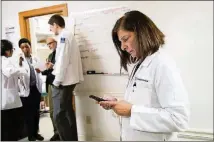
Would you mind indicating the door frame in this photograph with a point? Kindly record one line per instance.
(61, 9)
(24, 16)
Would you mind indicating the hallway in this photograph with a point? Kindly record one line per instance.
(46, 128)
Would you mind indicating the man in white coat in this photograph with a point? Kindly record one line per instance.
(68, 72)
(30, 90)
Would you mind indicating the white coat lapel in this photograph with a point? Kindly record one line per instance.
(26, 66)
(34, 61)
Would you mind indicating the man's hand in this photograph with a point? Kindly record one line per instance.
(49, 65)
(122, 108)
(37, 70)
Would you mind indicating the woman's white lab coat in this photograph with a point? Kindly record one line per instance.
(24, 81)
(10, 73)
(160, 101)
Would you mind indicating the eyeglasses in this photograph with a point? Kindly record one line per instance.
(50, 43)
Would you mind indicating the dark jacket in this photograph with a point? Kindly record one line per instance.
(50, 77)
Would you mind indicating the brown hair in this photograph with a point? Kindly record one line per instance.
(57, 19)
(149, 38)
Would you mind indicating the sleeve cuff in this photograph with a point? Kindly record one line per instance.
(56, 83)
(136, 117)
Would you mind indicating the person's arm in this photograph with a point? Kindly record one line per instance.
(45, 72)
(62, 61)
(9, 69)
(173, 116)
(48, 70)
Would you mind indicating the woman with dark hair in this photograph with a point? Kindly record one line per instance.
(155, 104)
(11, 103)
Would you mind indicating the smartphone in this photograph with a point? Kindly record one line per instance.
(96, 98)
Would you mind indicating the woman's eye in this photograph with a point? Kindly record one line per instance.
(125, 39)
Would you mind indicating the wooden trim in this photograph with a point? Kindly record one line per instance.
(24, 16)
(61, 9)
(28, 28)
(22, 23)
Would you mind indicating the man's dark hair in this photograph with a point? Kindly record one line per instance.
(6, 45)
(57, 19)
(24, 40)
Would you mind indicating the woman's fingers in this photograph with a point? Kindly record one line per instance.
(109, 98)
(108, 103)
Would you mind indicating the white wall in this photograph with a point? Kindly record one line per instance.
(188, 27)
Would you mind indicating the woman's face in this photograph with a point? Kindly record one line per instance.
(128, 42)
(9, 53)
(26, 49)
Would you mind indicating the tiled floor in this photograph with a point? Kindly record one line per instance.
(45, 127)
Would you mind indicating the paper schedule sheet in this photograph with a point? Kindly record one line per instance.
(40, 65)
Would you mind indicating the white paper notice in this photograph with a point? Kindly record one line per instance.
(40, 65)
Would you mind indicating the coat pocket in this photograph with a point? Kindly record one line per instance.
(142, 93)
(11, 99)
(21, 88)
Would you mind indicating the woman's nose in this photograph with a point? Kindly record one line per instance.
(123, 47)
